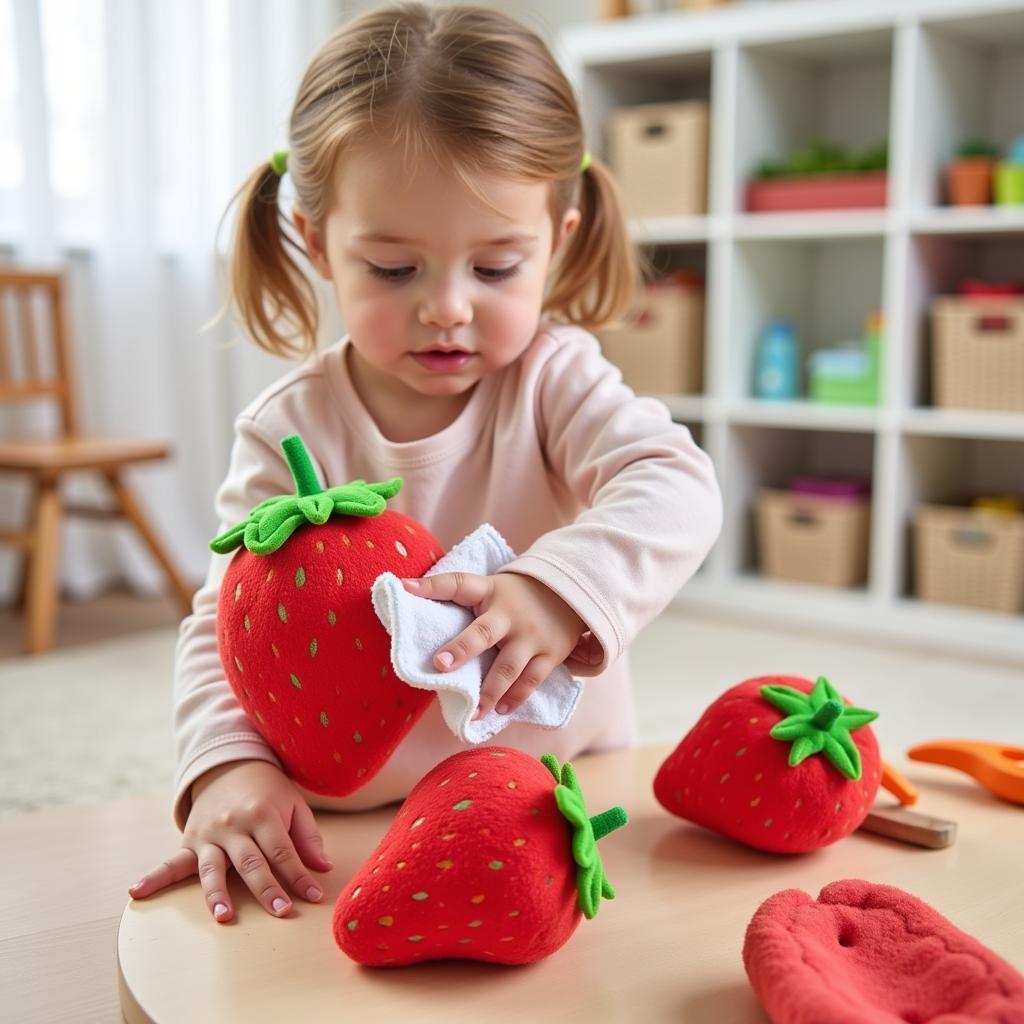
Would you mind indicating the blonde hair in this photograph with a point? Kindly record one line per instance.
(468, 85)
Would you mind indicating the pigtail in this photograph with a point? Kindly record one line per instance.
(598, 273)
(268, 287)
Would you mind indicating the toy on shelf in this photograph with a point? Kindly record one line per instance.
(295, 621)
(492, 856)
(849, 375)
(777, 362)
(969, 174)
(821, 176)
(864, 953)
(778, 763)
(1009, 175)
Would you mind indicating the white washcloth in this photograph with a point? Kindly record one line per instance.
(419, 627)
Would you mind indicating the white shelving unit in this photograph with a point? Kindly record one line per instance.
(923, 75)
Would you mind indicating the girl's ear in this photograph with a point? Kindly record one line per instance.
(570, 222)
(314, 240)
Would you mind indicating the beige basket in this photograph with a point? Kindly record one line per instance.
(978, 353)
(813, 539)
(662, 351)
(659, 153)
(969, 557)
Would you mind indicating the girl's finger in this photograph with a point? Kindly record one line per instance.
(480, 635)
(307, 838)
(465, 588)
(213, 877)
(279, 850)
(536, 671)
(174, 869)
(252, 866)
(507, 668)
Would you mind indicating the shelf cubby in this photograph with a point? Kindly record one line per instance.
(773, 457)
(952, 471)
(824, 287)
(792, 92)
(938, 264)
(970, 78)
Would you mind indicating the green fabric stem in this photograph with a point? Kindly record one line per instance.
(271, 522)
(591, 882)
(818, 723)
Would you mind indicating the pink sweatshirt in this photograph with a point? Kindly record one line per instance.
(603, 497)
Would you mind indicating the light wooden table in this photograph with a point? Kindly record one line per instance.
(667, 949)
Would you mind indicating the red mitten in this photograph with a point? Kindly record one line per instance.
(779, 763)
(299, 640)
(492, 857)
(873, 954)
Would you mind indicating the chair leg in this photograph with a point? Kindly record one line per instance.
(131, 509)
(41, 584)
(21, 593)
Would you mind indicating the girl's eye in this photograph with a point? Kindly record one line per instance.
(498, 273)
(391, 273)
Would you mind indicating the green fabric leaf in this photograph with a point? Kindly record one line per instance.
(270, 523)
(591, 883)
(791, 728)
(804, 747)
(820, 693)
(787, 700)
(854, 718)
(820, 731)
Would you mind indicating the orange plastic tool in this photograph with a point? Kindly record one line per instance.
(998, 768)
(899, 785)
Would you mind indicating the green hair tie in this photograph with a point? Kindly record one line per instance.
(279, 162)
(585, 162)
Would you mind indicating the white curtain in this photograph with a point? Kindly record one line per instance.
(125, 127)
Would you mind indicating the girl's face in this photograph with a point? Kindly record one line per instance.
(436, 287)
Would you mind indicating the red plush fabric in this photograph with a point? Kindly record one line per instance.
(873, 954)
(478, 865)
(306, 655)
(728, 774)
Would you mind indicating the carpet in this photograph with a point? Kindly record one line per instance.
(87, 724)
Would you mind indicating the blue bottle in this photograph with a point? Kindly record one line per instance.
(776, 364)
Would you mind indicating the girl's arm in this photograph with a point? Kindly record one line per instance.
(652, 506)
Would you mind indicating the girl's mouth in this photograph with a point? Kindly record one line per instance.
(442, 362)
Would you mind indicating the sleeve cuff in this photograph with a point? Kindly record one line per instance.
(233, 747)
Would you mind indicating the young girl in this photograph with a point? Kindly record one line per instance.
(444, 190)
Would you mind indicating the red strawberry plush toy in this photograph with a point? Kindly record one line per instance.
(779, 763)
(492, 857)
(299, 640)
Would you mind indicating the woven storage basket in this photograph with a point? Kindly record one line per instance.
(659, 154)
(813, 539)
(662, 350)
(978, 353)
(969, 557)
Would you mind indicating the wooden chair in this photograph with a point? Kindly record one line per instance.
(43, 371)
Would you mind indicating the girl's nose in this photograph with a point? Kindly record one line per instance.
(446, 305)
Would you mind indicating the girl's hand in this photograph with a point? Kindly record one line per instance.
(533, 628)
(247, 814)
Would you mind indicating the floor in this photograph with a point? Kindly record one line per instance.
(91, 720)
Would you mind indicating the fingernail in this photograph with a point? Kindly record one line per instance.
(220, 910)
(279, 905)
(137, 885)
(411, 584)
(479, 714)
(444, 659)
(502, 709)
(313, 893)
